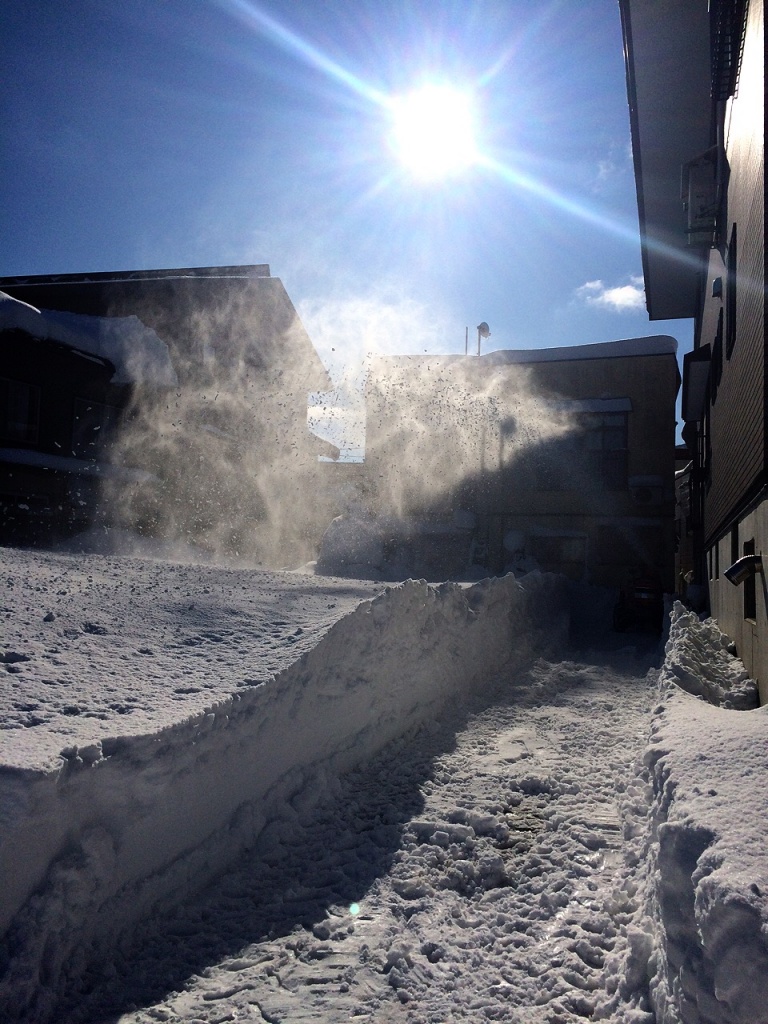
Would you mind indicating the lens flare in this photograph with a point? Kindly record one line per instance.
(433, 131)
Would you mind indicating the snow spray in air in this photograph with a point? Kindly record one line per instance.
(228, 463)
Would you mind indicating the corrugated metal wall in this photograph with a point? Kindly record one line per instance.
(737, 419)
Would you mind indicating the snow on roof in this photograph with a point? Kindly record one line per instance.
(654, 345)
(135, 350)
(17, 314)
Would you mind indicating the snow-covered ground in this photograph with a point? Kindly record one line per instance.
(426, 807)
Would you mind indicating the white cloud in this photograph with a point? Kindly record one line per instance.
(613, 167)
(605, 169)
(624, 298)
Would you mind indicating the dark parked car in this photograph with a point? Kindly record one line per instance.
(640, 605)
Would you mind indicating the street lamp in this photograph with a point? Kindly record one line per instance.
(483, 331)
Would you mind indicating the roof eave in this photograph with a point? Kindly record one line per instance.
(666, 46)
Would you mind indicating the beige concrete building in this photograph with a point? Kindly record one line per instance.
(559, 458)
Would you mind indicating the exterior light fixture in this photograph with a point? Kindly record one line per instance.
(743, 568)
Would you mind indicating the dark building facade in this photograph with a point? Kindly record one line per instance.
(201, 378)
(58, 410)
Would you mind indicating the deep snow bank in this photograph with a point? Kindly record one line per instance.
(694, 821)
(126, 825)
(93, 646)
(699, 659)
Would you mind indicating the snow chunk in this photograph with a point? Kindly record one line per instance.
(698, 659)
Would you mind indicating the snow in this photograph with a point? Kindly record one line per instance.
(135, 350)
(288, 797)
(700, 660)
(654, 345)
(15, 314)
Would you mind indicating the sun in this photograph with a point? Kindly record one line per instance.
(433, 132)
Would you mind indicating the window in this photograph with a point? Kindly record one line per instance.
(629, 547)
(730, 295)
(558, 553)
(19, 411)
(716, 371)
(750, 585)
(593, 454)
(713, 556)
(92, 424)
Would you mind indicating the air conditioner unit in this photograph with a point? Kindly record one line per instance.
(700, 194)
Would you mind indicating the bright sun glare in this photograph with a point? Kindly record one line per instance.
(433, 131)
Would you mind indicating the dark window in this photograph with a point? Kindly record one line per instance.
(593, 454)
(716, 370)
(19, 411)
(705, 443)
(750, 585)
(93, 423)
(566, 555)
(730, 295)
(714, 561)
(630, 546)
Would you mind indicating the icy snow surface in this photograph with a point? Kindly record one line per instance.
(95, 646)
(430, 811)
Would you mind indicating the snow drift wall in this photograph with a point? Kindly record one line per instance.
(698, 944)
(126, 826)
(700, 659)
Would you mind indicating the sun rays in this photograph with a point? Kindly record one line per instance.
(429, 136)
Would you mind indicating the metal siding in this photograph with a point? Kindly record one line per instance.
(738, 415)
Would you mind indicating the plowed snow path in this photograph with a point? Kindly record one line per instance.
(473, 872)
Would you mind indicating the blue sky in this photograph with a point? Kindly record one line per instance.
(173, 133)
